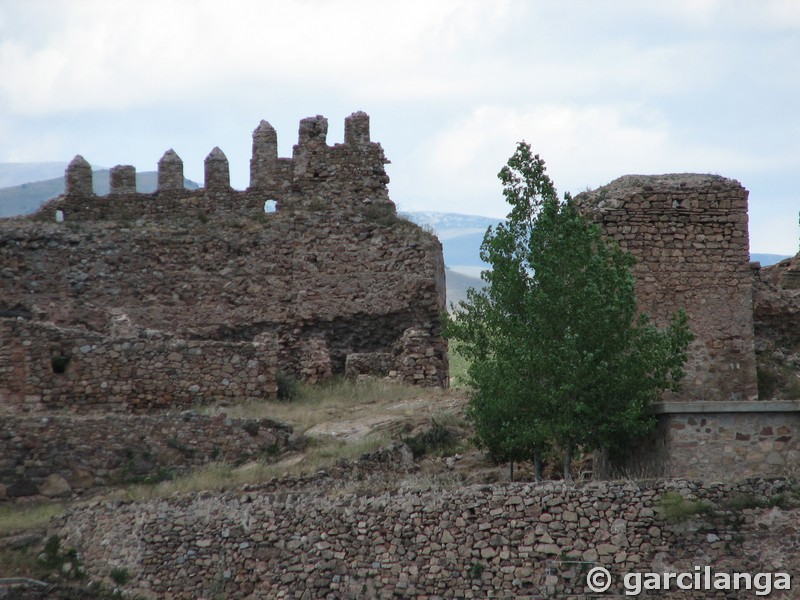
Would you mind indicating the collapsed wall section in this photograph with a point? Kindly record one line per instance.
(776, 315)
(690, 238)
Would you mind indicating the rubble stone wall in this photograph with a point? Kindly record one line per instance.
(749, 439)
(332, 272)
(60, 455)
(506, 541)
(776, 315)
(690, 237)
(48, 368)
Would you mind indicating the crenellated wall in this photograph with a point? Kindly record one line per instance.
(346, 178)
(332, 272)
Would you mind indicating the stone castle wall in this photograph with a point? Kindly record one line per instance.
(776, 316)
(333, 272)
(505, 541)
(690, 238)
(61, 455)
(45, 368)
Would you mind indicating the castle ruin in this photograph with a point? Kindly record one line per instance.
(136, 301)
(689, 234)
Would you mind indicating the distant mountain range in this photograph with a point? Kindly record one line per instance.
(26, 186)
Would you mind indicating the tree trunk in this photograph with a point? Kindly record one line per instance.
(537, 464)
(511, 470)
(568, 464)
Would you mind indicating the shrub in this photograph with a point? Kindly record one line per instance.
(767, 382)
(437, 439)
(120, 575)
(288, 387)
(476, 570)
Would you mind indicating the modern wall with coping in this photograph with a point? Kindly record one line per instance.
(713, 440)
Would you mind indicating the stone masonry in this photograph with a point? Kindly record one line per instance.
(519, 541)
(47, 368)
(61, 455)
(332, 272)
(689, 236)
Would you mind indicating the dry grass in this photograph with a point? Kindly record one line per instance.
(337, 399)
(16, 519)
(318, 455)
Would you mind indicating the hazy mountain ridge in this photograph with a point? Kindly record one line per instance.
(15, 174)
(462, 235)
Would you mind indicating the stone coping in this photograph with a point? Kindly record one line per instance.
(771, 406)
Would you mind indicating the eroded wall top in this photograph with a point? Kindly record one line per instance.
(689, 235)
(332, 272)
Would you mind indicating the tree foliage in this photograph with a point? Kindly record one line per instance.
(559, 355)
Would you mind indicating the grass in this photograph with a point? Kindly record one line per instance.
(16, 519)
(314, 404)
(676, 509)
(308, 405)
(22, 563)
(338, 399)
(458, 367)
(320, 454)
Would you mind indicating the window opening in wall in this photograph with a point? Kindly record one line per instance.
(59, 363)
(270, 206)
(59, 216)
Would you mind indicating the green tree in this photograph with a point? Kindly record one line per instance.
(559, 356)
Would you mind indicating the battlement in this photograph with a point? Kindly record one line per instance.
(333, 278)
(346, 177)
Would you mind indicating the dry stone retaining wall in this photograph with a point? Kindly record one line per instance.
(511, 541)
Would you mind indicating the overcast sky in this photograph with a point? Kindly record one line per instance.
(599, 88)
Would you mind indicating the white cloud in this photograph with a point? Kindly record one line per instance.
(583, 146)
(599, 89)
(121, 54)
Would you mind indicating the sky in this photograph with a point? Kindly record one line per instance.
(599, 89)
